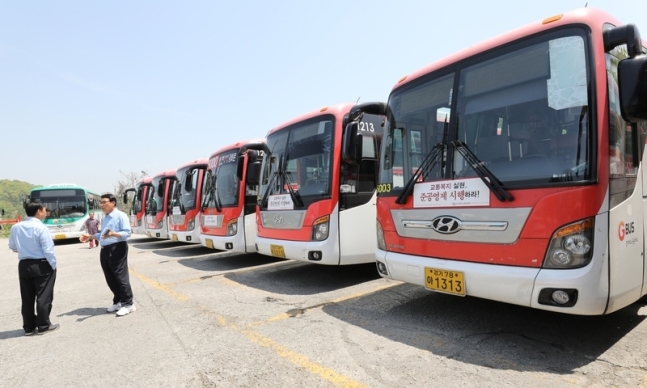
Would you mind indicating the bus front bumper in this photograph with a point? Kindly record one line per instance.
(516, 285)
(317, 252)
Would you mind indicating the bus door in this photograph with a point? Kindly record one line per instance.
(357, 199)
(248, 171)
(626, 204)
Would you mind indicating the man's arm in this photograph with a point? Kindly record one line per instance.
(47, 244)
(126, 230)
(12, 243)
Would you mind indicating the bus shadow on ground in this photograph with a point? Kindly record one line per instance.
(228, 261)
(298, 278)
(184, 250)
(157, 244)
(486, 333)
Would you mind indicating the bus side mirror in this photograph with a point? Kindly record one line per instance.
(125, 199)
(632, 82)
(2, 212)
(253, 173)
(352, 139)
(160, 189)
(240, 164)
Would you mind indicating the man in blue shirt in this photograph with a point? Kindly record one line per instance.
(36, 269)
(115, 231)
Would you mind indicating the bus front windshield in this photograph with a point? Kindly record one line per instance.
(156, 197)
(521, 111)
(63, 203)
(185, 190)
(299, 162)
(137, 199)
(221, 185)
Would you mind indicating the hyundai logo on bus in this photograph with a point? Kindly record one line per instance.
(446, 224)
(278, 219)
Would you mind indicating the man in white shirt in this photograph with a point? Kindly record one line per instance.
(36, 269)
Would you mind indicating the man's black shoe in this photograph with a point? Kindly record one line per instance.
(28, 333)
(49, 328)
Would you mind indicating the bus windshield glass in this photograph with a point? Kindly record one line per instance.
(155, 200)
(62, 203)
(221, 183)
(185, 189)
(299, 161)
(523, 111)
(137, 200)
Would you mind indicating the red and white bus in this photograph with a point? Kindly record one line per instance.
(315, 204)
(158, 205)
(183, 222)
(512, 170)
(138, 209)
(228, 220)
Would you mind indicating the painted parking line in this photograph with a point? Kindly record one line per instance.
(300, 360)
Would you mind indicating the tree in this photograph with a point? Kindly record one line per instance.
(129, 180)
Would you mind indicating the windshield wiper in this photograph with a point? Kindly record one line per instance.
(427, 165)
(486, 175)
(294, 194)
(274, 176)
(212, 194)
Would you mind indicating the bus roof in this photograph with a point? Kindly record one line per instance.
(144, 180)
(590, 16)
(164, 174)
(338, 110)
(236, 145)
(195, 163)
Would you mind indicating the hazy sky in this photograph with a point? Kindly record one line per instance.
(89, 89)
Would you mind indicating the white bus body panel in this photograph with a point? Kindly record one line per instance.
(162, 233)
(298, 250)
(521, 285)
(357, 233)
(242, 242)
(626, 245)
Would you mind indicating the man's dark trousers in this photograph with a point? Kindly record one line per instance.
(37, 280)
(114, 262)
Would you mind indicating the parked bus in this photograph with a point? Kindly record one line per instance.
(158, 205)
(184, 220)
(511, 170)
(68, 206)
(316, 204)
(139, 199)
(228, 220)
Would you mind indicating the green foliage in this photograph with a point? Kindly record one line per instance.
(12, 193)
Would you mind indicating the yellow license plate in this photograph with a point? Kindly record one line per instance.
(277, 250)
(442, 280)
(148, 234)
(59, 237)
(174, 237)
(209, 243)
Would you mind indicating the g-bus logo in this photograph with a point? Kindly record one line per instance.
(625, 229)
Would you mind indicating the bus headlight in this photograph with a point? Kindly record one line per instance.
(191, 224)
(320, 228)
(160, 223)
(232, 227)
(381, 244)
(571, 246)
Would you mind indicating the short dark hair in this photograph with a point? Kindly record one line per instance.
(31, 208)
(111, 197)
